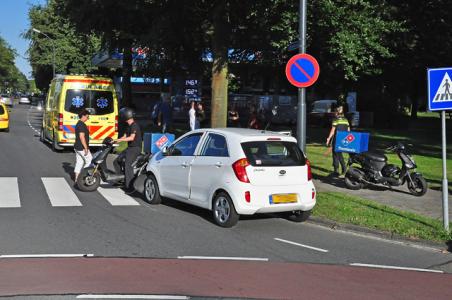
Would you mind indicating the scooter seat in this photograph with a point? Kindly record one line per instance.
(376, 156)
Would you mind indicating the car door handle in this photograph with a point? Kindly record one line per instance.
(184, 164)
(219, 164)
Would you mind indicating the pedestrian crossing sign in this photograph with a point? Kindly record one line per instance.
(439, 89)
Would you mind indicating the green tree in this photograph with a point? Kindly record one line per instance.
(73, 50)
(119, 23)
(11, 79)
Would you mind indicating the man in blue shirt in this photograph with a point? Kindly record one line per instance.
(165, 115)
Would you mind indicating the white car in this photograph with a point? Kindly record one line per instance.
(232, 172)
(24, 100)
(7, 100)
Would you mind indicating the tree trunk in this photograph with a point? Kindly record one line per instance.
(127, 69)
(219, 106)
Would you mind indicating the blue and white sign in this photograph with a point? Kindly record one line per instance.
(439, 89)
(351, 142)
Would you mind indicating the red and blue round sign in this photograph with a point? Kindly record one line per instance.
(302, 70)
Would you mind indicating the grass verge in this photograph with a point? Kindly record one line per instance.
(343, 208)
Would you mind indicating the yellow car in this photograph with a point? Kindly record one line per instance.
(4, 118)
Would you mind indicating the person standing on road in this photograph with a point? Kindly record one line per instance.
(192, 116)
(233, 117)
(200, 116)
(165, 117)
(340, 123)
(134, 144)
(83, 156)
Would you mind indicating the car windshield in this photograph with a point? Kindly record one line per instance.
(101, 102)
(273, 153)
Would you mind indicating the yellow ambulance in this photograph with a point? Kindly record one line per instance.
(67, 96)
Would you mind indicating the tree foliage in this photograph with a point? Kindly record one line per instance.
(73, 49)
(11, 79)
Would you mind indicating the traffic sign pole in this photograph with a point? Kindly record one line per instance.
(445, 183)
(301, 114)
(440, 99)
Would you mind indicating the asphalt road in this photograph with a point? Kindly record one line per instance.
(50, 218)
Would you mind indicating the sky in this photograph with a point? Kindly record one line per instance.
(13, 22)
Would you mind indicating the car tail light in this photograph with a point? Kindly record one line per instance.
(60, 122)
(239, 168)
(248, 196)
(116, 123)
(313, 194)
(308, 164)
(4, 119)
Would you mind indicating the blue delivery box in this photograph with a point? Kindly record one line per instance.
(154, 142)
(351, 142)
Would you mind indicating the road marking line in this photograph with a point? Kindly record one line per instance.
(59, 192)
(165, 297)
(9, 188)
(223, 258)
(117, 197)
(44, 255)
(394, 267)
(301, 245)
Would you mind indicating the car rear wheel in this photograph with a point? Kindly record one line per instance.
(224, 213)
(151, 190)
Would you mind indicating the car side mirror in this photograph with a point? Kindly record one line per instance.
(165, 151)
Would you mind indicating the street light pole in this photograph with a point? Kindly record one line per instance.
(301, 118)
(53, 48)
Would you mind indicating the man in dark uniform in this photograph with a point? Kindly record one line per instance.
(134, 142)
(340, 123)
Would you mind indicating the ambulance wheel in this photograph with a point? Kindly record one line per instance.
(55, 146)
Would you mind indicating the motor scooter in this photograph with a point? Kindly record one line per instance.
(373, 168)
(90, 177)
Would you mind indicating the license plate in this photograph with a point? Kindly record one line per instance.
(283, 198)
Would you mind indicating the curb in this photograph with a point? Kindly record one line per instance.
(333, 225)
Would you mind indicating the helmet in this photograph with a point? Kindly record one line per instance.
(107, 141)
(126, 113)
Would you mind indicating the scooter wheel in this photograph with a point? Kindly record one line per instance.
(87, 181)
(419, 185)
(352, 184)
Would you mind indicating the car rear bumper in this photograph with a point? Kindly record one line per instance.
(4, 124)
(260, 198)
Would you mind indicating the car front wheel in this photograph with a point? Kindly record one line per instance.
(223, 210)
(151, 190)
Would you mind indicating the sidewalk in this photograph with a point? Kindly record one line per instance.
(398, 197)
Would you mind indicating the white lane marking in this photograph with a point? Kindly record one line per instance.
(394, 267)
(59, 192)
(9, 190)
(117, 197)
(370, 236)
(163, 297)
(301, 245)
(44, 255)
(223, 258)
(29, 123)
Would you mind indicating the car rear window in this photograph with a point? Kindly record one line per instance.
(2, 110)
(98, 102)
(273, 153)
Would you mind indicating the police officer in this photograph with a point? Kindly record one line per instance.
(134, 141)
(340, 123)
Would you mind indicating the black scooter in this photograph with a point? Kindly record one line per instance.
(372, 168)
(90, 177)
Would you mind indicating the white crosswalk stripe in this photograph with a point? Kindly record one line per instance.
(116, 196)
(59, 192)
(9, 190)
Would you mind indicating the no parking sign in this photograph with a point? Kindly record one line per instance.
(302, 70)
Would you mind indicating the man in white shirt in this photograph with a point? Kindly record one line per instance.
(192, 116)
